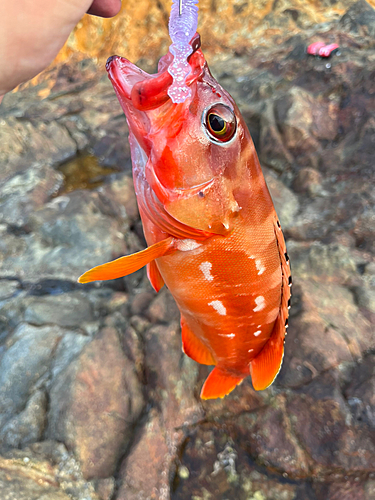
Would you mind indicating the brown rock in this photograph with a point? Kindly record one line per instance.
(94, 404)
(321, 426)
(361, 392)
(307, 180)
(144, 473)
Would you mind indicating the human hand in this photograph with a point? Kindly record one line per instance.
(33, 31)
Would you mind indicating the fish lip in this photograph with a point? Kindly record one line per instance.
(124, 75)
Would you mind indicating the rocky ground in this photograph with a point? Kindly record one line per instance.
(97, 402)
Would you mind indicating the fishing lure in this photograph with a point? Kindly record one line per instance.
(212, 231)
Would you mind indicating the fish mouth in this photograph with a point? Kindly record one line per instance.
(145, 91)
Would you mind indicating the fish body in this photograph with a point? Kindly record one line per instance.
(212, 231)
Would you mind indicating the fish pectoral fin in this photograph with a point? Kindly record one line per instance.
(130, 263)
(265, 367)
(193, 347)
(154, 276)
(219, 383)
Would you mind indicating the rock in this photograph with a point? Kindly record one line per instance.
(359, 18)
(328, 330)
(360, 392)
(25, 192)
(163, 308)
(24, 366)
(24, 143)
(144, 474)
(285, 201)
(43, 471)
(333, 262)
(94, 405)
(67, 310)
(56, 232)
(308, 180)
(28, 426)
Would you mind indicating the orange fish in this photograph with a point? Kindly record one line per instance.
(213, 234)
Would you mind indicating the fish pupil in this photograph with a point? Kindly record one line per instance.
(217, 123)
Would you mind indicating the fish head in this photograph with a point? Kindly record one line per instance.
(191, 154)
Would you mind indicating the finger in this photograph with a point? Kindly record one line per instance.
(105, 8)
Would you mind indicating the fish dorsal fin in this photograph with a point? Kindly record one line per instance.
(193, 347)
(130, 263)
(265, 367)
(154, 276)
(220, 383)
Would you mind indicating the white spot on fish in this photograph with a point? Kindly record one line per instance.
(250, 350)
(260, 304)
(257, 333)
(186, 245)
(260, 267)
(218, 306)
(229, 335)
(205, 267)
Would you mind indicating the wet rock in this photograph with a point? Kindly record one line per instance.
(28, 426)
(9, 288)
(286, 202)
(327, 331)
(43, 471)
(24, 143)
(25, 192)
(361, 392)
(308, 180)
(144, 473)
(360, 18)
(163, 308)
(322, 428)
(24, 366)
(66, 310)
(333, 261)
(268, 437)
(54, 234)
(94, 405)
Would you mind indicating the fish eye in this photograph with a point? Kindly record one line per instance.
(220, 123)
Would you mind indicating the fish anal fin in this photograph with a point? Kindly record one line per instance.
(219, 383)
(194, 347)
(265, 367)
(130, 263)
(154, 276)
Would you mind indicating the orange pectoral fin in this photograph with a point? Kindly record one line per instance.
(130, 263)
(193, 347)
(219, 383)
(154, 276)
(265, 367)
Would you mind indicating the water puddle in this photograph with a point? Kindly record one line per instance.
(83, 172)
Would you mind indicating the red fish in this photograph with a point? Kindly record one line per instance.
(213, 234)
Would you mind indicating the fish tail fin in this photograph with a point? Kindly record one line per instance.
(219, 383)
(154, 276)
(265, 367)
(130, 263)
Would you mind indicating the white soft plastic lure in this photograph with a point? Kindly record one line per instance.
(183, 23)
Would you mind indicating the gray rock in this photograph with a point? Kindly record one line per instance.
(28, 426)
(67, 310)
(23, 366)
(26, 191)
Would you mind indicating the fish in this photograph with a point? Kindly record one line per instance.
(211, 228)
